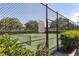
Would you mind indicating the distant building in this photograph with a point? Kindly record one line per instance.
(41, 26)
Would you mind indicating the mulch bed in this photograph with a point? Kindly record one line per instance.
(61, 52)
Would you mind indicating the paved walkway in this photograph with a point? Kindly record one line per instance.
(77, 52)
(60, 54)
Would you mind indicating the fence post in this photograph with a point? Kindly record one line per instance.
(47, 43)
(57, 33)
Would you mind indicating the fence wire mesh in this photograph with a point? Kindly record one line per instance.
(27, 22)
(52, 28)
(24, 21)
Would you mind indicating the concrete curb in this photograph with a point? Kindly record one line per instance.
(73, 53)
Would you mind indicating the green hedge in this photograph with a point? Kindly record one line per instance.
(54, 31)
(9, 47)
(70, 39)
(16, 31)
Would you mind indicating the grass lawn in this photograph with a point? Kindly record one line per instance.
(35, 36)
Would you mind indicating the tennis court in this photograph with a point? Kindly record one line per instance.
(34, 39)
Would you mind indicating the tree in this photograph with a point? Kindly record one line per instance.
(62, 23)
(32, 25)
(10, 23)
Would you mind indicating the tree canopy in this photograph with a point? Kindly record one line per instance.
(32, 25)
(62, 23)
(10, 23)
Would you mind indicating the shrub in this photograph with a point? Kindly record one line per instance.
(70, 40)
(42, 50)
(16, 31)
(54, 31)
(9, 47)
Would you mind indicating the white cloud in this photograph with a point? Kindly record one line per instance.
(75, 17)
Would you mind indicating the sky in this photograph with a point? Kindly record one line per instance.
(25, 12)
(69, 10)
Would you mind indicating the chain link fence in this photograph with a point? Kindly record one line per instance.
(33, 24)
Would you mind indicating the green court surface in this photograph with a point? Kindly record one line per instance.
(35, 39)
